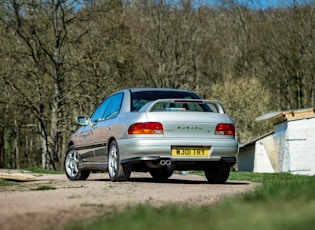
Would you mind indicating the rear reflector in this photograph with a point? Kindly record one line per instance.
(146, 128)
(225, 129)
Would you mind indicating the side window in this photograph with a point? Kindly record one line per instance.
(113, 108)
(97, 115)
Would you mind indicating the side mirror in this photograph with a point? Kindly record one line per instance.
(81, 120)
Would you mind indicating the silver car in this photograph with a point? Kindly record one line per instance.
(153, 130)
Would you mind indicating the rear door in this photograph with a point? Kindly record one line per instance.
(104, 125)
(87, 136)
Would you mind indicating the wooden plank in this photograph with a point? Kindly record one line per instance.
(300, 114)
(292, 115)
(18, 177)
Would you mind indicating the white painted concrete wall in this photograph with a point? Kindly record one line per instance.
(259, 156)
(280, 136)
(300, 146)
(295, 142)
(262, 162)
(270, 147)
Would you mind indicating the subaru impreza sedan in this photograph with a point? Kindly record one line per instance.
(153, 130)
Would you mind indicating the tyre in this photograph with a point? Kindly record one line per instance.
(162, 174)
(71, 165)
(218, 174)
(116, 171)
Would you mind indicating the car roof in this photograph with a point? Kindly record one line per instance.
(156, 89)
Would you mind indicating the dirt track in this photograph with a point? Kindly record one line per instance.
(28, 205)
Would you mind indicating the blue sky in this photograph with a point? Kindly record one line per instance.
(262, 4)
(267, 3)
(255, 4)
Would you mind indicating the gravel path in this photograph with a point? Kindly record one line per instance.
(50, 201)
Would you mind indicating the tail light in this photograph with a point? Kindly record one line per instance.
(225, 129)
(146, 128)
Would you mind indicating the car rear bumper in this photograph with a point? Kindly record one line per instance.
(146, 148)
(154, 162)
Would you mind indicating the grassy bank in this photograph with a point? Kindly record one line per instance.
(45, 171)
(283, 201)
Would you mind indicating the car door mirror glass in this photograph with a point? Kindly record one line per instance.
(81, 120)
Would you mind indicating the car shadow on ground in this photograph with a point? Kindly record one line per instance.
(175, 181)
(184, 181)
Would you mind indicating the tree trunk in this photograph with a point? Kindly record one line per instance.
(7, 148)
(16, 144)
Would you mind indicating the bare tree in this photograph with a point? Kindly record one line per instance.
(61, 58)
(45, 33)
(166, 35)
(287, 57)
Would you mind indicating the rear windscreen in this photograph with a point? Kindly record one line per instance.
(139, 99)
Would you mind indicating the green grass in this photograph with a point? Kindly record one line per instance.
(284, 201)
(43, 187)
(44, 171)
(6, 183)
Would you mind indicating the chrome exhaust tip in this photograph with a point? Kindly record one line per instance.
(165, 162)
(162, 162)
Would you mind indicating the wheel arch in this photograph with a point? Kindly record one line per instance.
(110, 140)
(70, 144)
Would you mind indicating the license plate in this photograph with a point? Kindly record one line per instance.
(180, 151)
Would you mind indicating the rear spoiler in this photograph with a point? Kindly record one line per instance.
(148, 106)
